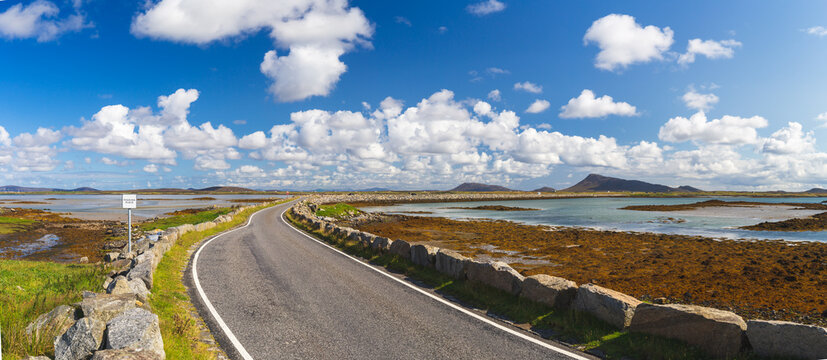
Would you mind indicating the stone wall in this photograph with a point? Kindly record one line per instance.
(721, 334)
(118, 323)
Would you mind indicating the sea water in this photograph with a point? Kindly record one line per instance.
(606, 214)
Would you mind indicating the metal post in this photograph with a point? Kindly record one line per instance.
(129, 231)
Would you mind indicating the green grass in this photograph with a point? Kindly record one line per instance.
(337, 211)
(583, 330)
(31, 288)
(170, 301)
(197, 218)
(10, 225)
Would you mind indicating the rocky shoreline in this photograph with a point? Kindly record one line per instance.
(720, 332)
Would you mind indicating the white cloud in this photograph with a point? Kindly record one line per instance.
(159, 137)
(819, 31)
(724, 49)
(494, 95)
(702, 102)
(108, 161)
(485, 7)
(29, 152)
(790, 140)
(821, 117)
(315, 33)
(38, 19)
(494, 71)
(256, 140)
(529, 87)
(151, 168)
(587, 106)
(623, 42)
(728, 130)
(402, 20)
(5, 140)
(538, 106)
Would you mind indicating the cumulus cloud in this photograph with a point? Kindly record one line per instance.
(538, 106)
(30, 152)
(528, 87)
(588, 106)
(151, 168)
(158, 137)
(314, 33)
(728, 130)
(39, 19)
(494, 95)
(623, 42)
(790, 140)
(819, 31)
(724, 49)
(702, 102)
(485, 7)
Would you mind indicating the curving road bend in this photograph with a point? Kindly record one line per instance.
(268, 291)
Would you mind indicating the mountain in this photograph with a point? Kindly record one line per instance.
(595, 182)
(816, 191)
(225, 189)
(479, 187)
(544, 189)
(14, 188)
(687, 188)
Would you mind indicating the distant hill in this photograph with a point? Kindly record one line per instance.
(479, 187)
(15, 188)
(225, 189)
(687, 188)
(816, 191)
(595, 182)
(544, 189)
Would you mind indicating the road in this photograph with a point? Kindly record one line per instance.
(267, 291)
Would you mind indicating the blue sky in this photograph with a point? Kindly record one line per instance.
(336, 94)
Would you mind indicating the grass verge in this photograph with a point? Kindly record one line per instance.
(337, 211)
(197, 218)
(170, 301)
(10, 225)
(31, 288)
(582, 330)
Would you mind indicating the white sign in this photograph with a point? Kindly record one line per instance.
(130, 201)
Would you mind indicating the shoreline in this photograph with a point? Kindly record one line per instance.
(768, 279)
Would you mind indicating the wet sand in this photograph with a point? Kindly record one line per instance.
(756, 279)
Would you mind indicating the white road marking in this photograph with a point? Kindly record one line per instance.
(238, 347)
(441, 300)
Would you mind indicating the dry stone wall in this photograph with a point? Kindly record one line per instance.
(118, 323)
(721, 334)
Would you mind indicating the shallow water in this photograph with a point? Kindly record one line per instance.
(605, 214)
(44, 243)
(108, 207)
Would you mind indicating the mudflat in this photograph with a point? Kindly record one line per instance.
(768, 279)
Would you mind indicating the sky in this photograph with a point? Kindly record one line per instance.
(335, 94)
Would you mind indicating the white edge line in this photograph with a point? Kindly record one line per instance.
(441, 300)
(237, 344)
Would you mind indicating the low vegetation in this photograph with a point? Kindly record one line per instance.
(31, 288)
(582, 330)
(170, 300)
(338, 211)
(184, 217)
(10, 225)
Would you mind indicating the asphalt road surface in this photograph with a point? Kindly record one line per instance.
(273, 293)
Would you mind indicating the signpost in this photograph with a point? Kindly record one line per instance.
(130, 201)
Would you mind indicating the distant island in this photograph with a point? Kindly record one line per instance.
(597, 183)
(479, 187)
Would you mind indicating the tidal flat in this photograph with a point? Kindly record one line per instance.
(758, 279)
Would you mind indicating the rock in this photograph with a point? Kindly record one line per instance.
(110, 257)
(135, 329)
(423, 255)
(139, 289)
(549, 290)
(108, 280)
(380, 244)
(204, 226)
(120, 264)
(497, 275)
(717, 332)
(450, 263)
(56, 321)
(401, 248)
(36, 358)
(83, 260)
(608, 305)
(105, 307)
(143, 272)
(80, 340)
(126, 355)
(787, 339)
